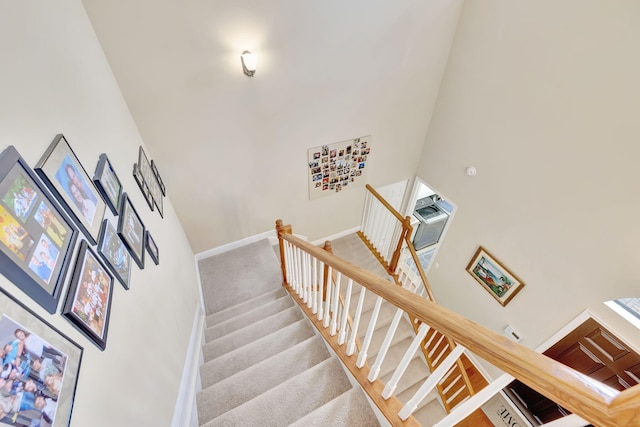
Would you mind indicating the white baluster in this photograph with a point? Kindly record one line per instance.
(327, 303)
(304, 275)
(314, 284)
(464, 409)
(362, 357)
(321, 292)
(345, 314)
(351, 347)
(430, 383)
(390, 387)
(336, 301)
(309, 282)
(382, 353)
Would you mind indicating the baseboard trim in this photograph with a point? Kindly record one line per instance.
(185, 413)
(271, 235)
(273, 239)
(336, 236)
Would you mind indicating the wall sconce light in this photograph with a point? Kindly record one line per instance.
(249, 61)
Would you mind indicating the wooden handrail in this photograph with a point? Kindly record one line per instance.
(384, 202)
(580, 394)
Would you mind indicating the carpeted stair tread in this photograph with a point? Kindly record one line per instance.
(232, 277)
(243, 357)
(394, 355)
(250, 333)
(415, 375)
(258, 312)
(351, 408)
(404, 331)
(259, 378)
(228, 313)
(290, 400)
(385, 316)
(430, 413)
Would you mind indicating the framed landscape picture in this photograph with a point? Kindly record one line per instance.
(131, 230)
(108, 183)
(67, 179)
(50, 363)
(494, 277)
(36, 236)
(88, 303)
(115, 253)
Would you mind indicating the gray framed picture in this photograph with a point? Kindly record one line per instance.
(67, 179)
(50, 363)
(131, 230)
(36, 236)
(115, 253)
(108, 183)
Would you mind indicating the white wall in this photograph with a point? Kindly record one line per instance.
(55, 79)
(543, 99)
(234, 147)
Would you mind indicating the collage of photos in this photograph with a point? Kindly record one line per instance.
(335, 167)
(31, 377)
(33, 235)
(89, 301)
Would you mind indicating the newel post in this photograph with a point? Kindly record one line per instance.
(327, 247)
(406, 230)
(280, 230)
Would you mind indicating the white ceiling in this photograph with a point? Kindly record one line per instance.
(327, 71)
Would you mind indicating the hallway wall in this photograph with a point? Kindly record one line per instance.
(542, 98)
(55, 79)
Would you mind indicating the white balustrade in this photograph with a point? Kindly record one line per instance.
(431, 382)
(362, 357)
(382, 353)
(351, 347)
(390, 387)
(345, 313)
(335, 303)
(327, 302)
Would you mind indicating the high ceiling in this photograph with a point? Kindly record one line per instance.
(327, 71)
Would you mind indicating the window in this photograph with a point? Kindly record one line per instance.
(629, 308)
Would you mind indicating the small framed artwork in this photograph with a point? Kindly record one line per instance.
(152, 248)
(53, 363)
(88, 303)
(145, 166)
(154, 169)
(146, 191)
(36, 236)
(156, 193)
(108, 183)
(115, 253)
(131, 230)
(65, 176)
(494, 277)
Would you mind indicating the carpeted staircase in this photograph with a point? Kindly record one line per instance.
(264, 365)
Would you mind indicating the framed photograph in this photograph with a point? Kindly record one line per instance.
(88, 302)
(146, 191)
(36, 236)
(152, 248)
(145, 166)
(154, 169)
(65, 176)
(494, 277)
(108, 183)
(44, 366)
(131, 230)
(114, 253)
(156, 194)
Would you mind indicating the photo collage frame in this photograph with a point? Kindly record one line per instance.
(339, 166)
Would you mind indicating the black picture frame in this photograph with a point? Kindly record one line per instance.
(43, 345)
(152, 248)
(131, 230)
(32, 223)
(107, 183)
(144, 165)
(115, 254)
(89, 298)
(146, 191)
(154, 169)
(66, 178)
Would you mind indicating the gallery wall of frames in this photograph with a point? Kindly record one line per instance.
(58, 246)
